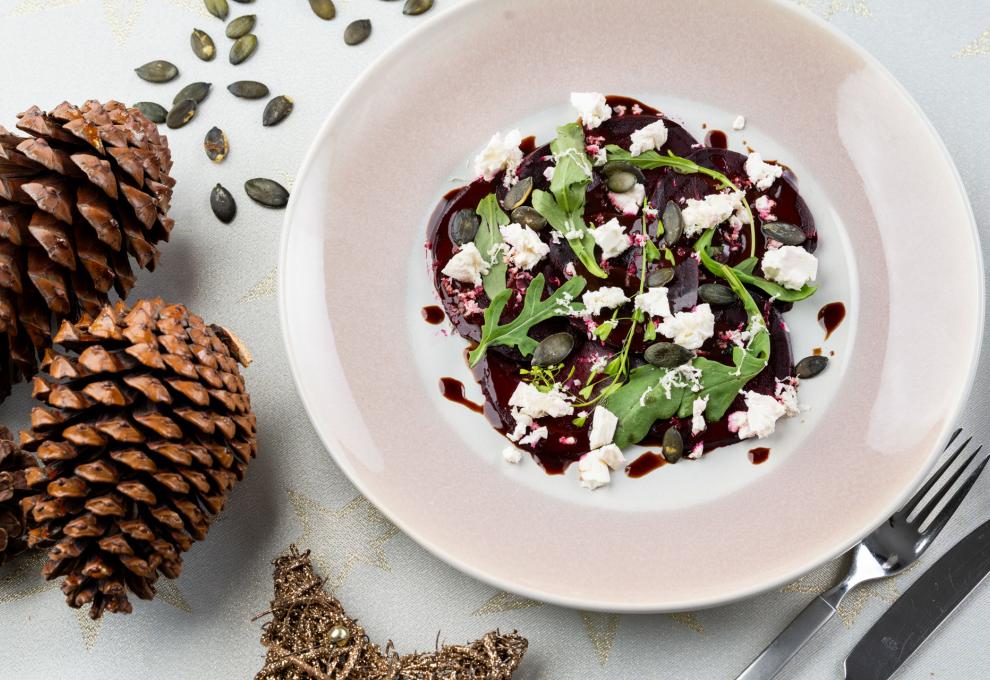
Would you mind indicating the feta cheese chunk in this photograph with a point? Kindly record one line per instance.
(709, 212)
(593, 471)
(763, 205)
(786, 393)
(611, 237)
(603, 298)
(603, 424)
(502, 153)
(790, 266)
(536, 404)
(591, 107)
(629, 202)
(612, 456)
(512, 455)
(689, 329)
(467, 265)
(648, 138)
(698, 423)
(761, 173)
(760, 417)
(739, 123)
(654, 302)
(534, 437)
(523, 422)
(526, 249)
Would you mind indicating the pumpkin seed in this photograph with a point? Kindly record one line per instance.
(195, 91)
(464, 226)
(620, 182)
(528, 217)
(216, 145)
(660, 277)
(357, 32)
(673, 223)
(248, 89)
(667, 355)
(240, 26)
(613, 167)
(716, 294)
(553, 349)
(202, 45)
(277, 110)
(181, 113)
(518, 194)
(323, 9)
(784, 232)
(673, 445)
(222, 203)
(154, 112)
(243, 48)
(244, 2)
(218, 8)
(811, 366)
(158, 71)
(267, 192)
(414, 7)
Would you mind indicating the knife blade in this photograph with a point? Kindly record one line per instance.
(921, 609)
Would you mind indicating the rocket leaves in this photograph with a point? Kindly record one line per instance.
(488, 241)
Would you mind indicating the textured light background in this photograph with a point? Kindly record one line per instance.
(199, 626)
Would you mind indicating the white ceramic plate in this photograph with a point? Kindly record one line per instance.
(886, 198)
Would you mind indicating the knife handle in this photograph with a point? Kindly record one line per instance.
(772, 659)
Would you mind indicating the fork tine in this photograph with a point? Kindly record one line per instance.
(944, 489)
(923, 491)
(952, 439)
(943, 517)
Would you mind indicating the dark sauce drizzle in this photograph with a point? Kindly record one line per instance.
(759, 455)
(645, 464)
(433, 314)
(716, 139)
(452, 389)
(830, 316)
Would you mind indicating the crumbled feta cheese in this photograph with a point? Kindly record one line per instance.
(526, 248)
(654, 302)
(534, 437)
(690, 329)
(467, 265)
(570, 271)
(600, 158)
(555, 236)
(523, 422)
(697, 451)
(761, 173)
(612, 456)
(628, 202)
(790, 266)
(609, 297)
(760, 418)
(593, 471)
(644, 395)
(739, 123)
(763, 205)
(786, 393)
(597, 366)
(591, 107)
(698, 423)
(536, 404)
(502, 153)
(684, 375)
(611, 237)
(512, 455)
(709, 212)
(603, 424)
(648, 138)
(548, 172)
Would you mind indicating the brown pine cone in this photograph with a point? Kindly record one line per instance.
(89, 186)
(13, 488)
(145, 428)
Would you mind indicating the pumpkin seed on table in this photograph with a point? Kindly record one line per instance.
(553, 349)
(716, 294)
(673, 445)
(243, 48)
(241, 26)
(529, 217)
(181, 113)
(464, 226)
(660, 277)
(218, 8)
(667, 355)
(154, 112)
(323, 9)
(277, 110)
(267, 192)
(202, 45)
(216, 145)
(244, 2)
(195, 91)
(811, 366)
(158, 71)
(673, 223)
(414, 7)
(357, 32)
(785, 233)
(248, 89)
(518, 194)
(222, 203)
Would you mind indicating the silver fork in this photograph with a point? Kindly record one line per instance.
(887, 551)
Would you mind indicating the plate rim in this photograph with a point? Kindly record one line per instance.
(954, 412)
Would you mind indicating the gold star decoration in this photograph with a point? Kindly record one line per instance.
(344, 538)
(265, 288)
(827, 9)
(981, 45)
(505, 602)
(601, 630)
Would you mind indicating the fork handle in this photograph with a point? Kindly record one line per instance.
(772, 659)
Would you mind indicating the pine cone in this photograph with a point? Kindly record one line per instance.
(146, 427)
(89, 186)
(13, 488)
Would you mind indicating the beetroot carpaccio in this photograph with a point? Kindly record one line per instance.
(624, 284)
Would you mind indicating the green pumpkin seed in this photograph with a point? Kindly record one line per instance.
(673, 223)
(181, 113)
(244, 2)
(195, 91)
(202, 45)
(216, 144)
(154, 112)
(243, 48)
(613, 167)
(620, 182)
(277, 110)
(667, 355)
(716, 294)
(267, 192)
(222, 203)
(240, 26)
(660, 277)
(218, 8)
(811, 366)
(528, 217)
(673, 445)
(323, 9)
(553, 349)
(518, 194)
(357, 32)
(414, 7)
(158, 71)
(784, 232)
(464, 226)
(248, 89)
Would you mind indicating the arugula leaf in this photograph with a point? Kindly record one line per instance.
(489, 237)
(747, 266)
(640, 402)
(769, 287)
(534, 311)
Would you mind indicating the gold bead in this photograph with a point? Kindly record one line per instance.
(339, 635)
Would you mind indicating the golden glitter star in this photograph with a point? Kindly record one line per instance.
(981, 45)
(265, 288)
(505, 602)
(601, 630)
(827, 9)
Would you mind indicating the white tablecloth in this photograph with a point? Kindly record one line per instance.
(199, 626)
